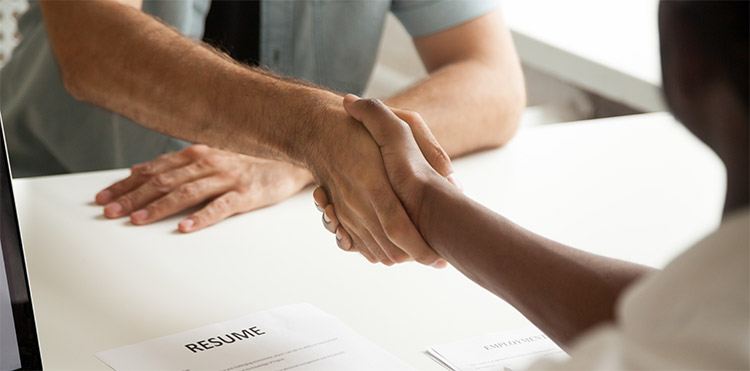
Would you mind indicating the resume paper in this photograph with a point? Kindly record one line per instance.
(503, 351)
(294, 337)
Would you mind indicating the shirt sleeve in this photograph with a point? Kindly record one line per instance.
(425, 17)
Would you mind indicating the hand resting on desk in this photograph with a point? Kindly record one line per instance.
(233, 183)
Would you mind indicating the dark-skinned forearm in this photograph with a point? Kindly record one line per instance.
(562, 290)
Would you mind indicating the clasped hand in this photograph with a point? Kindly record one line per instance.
(412, 159)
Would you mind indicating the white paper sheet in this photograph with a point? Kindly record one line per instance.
(294, 337)
(510, 350)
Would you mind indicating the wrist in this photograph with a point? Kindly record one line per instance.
(329, 130)
(314, 110)
(276, 118)
(435, 196)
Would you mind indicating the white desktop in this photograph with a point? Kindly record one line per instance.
(639, 188)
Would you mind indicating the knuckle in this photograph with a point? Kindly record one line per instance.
(188, 191)
(145, 169)
(209, 162)
(195, 150)
(126, 201)
(220, 206)
(231, 174)
(411, 116)
(155, 209)
(373, 104)
(200, 218)
(399, 257)
(439, 157)
(135, 168)
(162, 182)
(246, 190)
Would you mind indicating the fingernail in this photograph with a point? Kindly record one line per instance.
(103, 196)
(112, 209)
(440, 264)
(340, 241)
(326, 218)
(139, 215)
(186, 225)
(454, 180)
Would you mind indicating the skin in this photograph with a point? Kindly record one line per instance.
(167, 83)
(235, 183)
(470, 66)
(577, 290)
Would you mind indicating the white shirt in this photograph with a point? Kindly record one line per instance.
(694, 314)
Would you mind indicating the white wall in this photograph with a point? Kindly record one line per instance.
(10, 11)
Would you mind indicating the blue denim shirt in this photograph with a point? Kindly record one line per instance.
(333, 43)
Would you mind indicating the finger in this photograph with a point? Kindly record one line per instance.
(385, 244)
(364, 242)
(182, 197)
(402, 233)
(394, 253)
(343, 240)
(217, 210)
(384, 126)
(379, 246)
(329, 219)
(357, 244)
(139, 174)
(432, 151)
(119, 188)
(156, 186)
(320, 198)
(440, 264)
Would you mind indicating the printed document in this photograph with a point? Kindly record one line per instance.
(510, 350)
(294, 337)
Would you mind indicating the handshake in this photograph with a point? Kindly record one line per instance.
(375, 202)
(373, 164)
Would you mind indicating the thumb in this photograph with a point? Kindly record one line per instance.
(384, 126)
(431, 149)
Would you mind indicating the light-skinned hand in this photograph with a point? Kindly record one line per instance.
(233, 184)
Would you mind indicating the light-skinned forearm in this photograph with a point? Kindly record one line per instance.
(124, 60)
(475, 93)
(468, 105)
(562, 290)
(118, 57)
